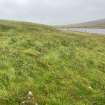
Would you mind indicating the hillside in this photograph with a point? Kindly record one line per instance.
(59, 68)
(89, 24)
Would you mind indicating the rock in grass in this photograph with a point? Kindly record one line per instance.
(29, 99)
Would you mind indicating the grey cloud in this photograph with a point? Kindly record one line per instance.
(52, 11)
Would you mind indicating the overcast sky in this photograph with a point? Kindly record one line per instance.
(52, 11)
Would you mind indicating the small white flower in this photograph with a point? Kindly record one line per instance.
(90, 87)
(23, 102)
(36, 104)
(30, 93)
(29, 98)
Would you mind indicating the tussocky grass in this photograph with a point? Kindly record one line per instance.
(60, 68)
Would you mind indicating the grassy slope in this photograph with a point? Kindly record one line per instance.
(59, 68)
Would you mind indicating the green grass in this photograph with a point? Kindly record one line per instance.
(59, 68)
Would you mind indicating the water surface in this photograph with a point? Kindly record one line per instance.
(89, 30)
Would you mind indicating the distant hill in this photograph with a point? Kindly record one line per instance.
(90, 24)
